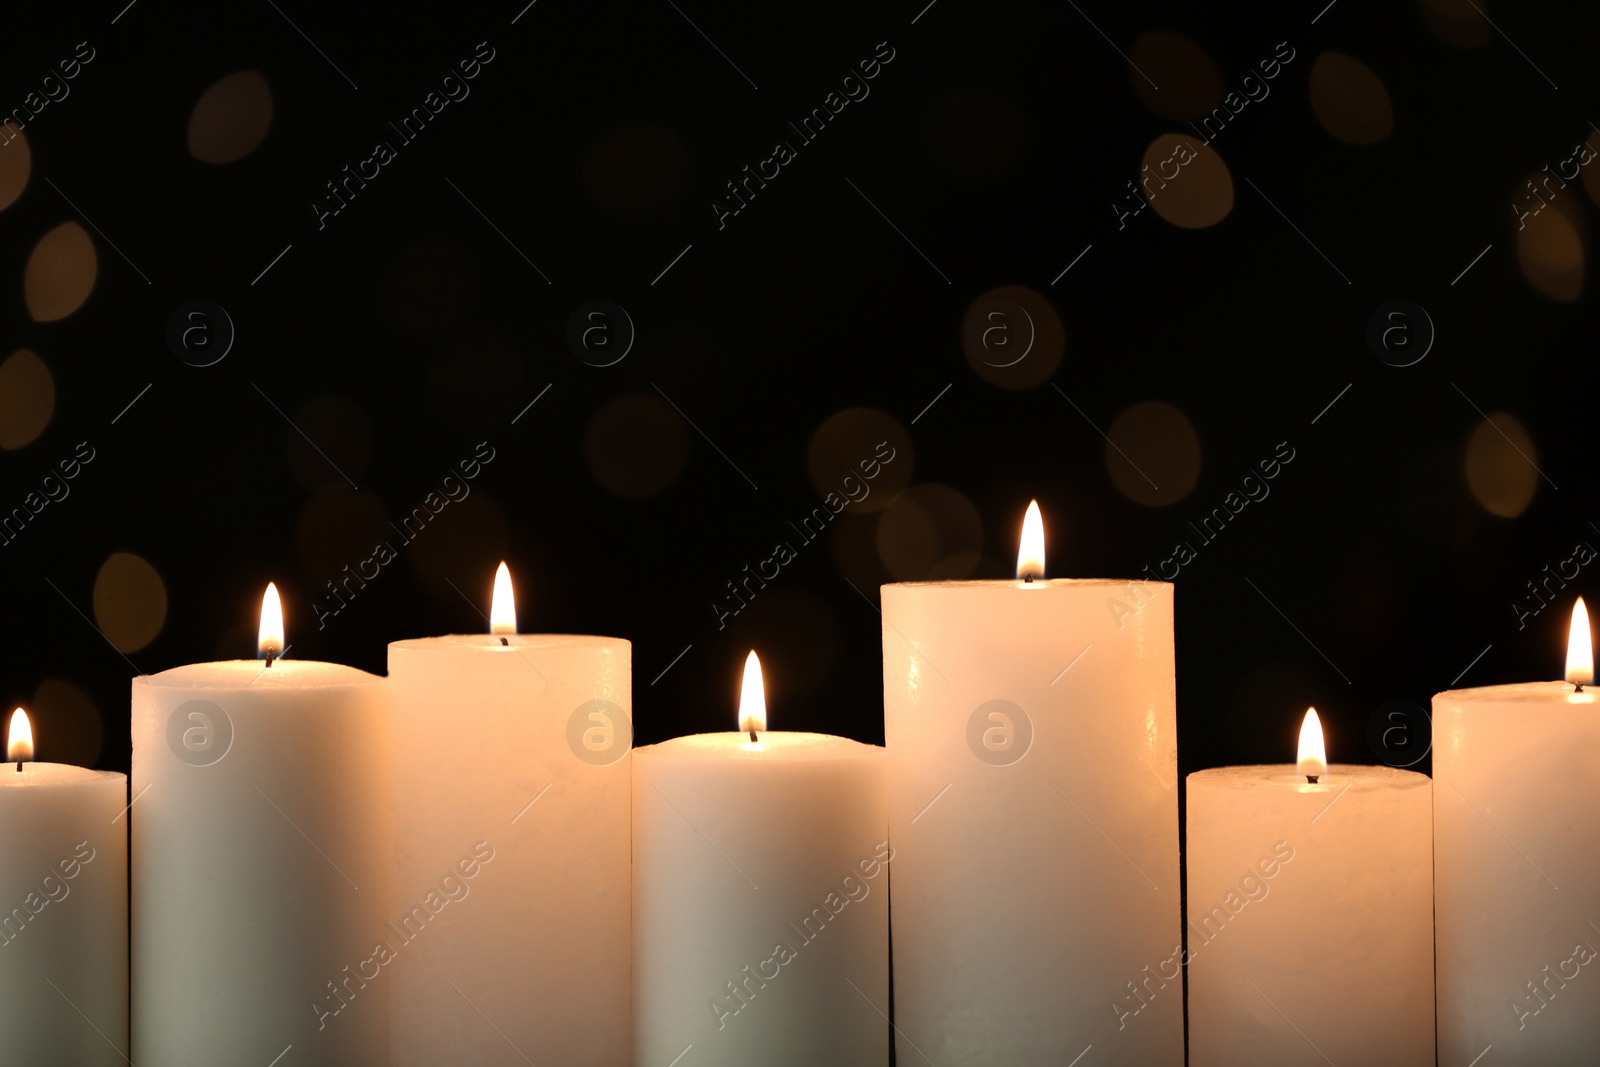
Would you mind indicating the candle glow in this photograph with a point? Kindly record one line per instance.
(19, 745)
(1313, 755)
(1030, 551)
(269, 644)
(503, 604)
(1580, 648)
(752, 698)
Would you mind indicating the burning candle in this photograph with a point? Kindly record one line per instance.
(760, 897)
(1516, 822)
(510, 917)
(1310, 914)
(1032, 739)
(63, 910)
(262, 848)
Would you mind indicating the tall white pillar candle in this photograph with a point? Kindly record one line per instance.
(262, 848)
(760, 885)
(1032, 744)
(63, 912)
(1517, 860)
(1310, 917)
(510, 916)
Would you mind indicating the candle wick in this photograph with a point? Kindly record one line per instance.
(753, 737)
(1577, 687)
(505, 642)
(1312, 778)
(19, 766)
(270, 657)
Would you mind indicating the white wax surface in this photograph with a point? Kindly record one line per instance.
(1517, 861)
(259, 876)
(63, 916)
(1310, 918)
(529, 957)
(739, 849)
(1026, 895)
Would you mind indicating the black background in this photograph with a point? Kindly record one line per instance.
(996, 141)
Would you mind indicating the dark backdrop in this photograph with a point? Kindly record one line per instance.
(377, 346)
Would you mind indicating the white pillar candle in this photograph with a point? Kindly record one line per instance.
(760, 898)
(63, 911)
(510, 916)
(1517, 860)
(1310, 916)
(1034, 815)
(262, 849)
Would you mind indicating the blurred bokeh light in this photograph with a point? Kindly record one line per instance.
(60, 273)
(27, 398)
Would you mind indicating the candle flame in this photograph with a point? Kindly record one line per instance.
(19, 747)
(1313, 759)
(752, 697)
(269, 645)
(1580, 647)
(1030, 552)
(503, 605)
